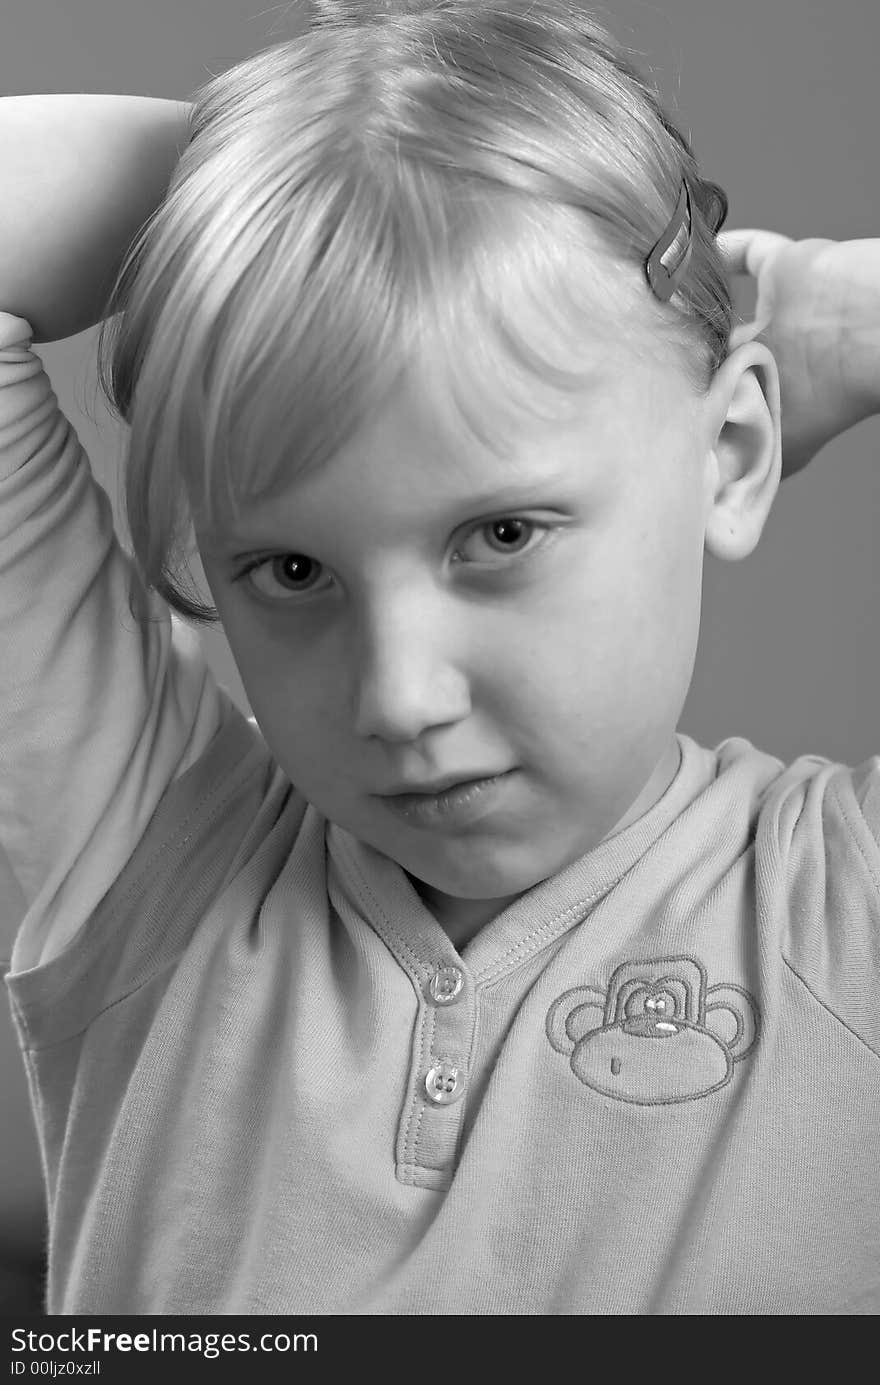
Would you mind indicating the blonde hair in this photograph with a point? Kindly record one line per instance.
(398, 168)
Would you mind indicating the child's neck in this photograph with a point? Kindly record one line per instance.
(460, 919)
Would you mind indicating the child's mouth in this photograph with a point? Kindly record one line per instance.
(457, 805)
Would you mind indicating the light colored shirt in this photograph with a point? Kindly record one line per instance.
(264, 1080)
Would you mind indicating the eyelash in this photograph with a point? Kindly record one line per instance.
(532, 524)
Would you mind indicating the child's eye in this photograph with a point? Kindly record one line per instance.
(297, 574)
(294, 572)
(509, 535)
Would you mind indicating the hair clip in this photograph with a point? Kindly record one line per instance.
(667, 261)
(718, 205)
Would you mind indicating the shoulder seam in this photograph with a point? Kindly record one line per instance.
(177, 843)
(180, 834)
(825, 1006)
(855, 833)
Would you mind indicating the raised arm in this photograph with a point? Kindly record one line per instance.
(79, 176)
(818, 310)
(99, 714)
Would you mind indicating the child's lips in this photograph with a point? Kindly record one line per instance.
(413, 788)
(456, 805)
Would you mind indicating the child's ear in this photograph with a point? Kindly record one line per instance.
(743, 450)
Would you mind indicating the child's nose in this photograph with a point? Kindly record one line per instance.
(406, 677)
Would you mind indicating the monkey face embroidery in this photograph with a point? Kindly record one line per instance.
(663, 1035)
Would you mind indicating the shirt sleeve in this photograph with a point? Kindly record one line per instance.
(98, 713)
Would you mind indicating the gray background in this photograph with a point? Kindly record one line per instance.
(779, 98)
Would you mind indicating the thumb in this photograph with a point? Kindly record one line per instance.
(745, 332)
(748, 250)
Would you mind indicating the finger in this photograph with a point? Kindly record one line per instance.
(745, 332)
(747, 250)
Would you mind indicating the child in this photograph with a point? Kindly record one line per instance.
(456, 980)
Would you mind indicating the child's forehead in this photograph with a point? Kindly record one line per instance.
(432, 454)
(523, 487)
(407, 482)
(463, 415)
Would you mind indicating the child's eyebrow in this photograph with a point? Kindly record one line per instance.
(536, 492)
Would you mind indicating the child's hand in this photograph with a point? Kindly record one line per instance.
(818, 310)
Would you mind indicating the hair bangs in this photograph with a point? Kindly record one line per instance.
(280, 396)
(286, 388)
(519, 335)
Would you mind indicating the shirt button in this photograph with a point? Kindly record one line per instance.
(444, 1083)
(446, 985)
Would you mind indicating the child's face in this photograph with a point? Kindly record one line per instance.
(406, 645)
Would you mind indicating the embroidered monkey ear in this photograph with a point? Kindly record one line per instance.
(668, 259)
